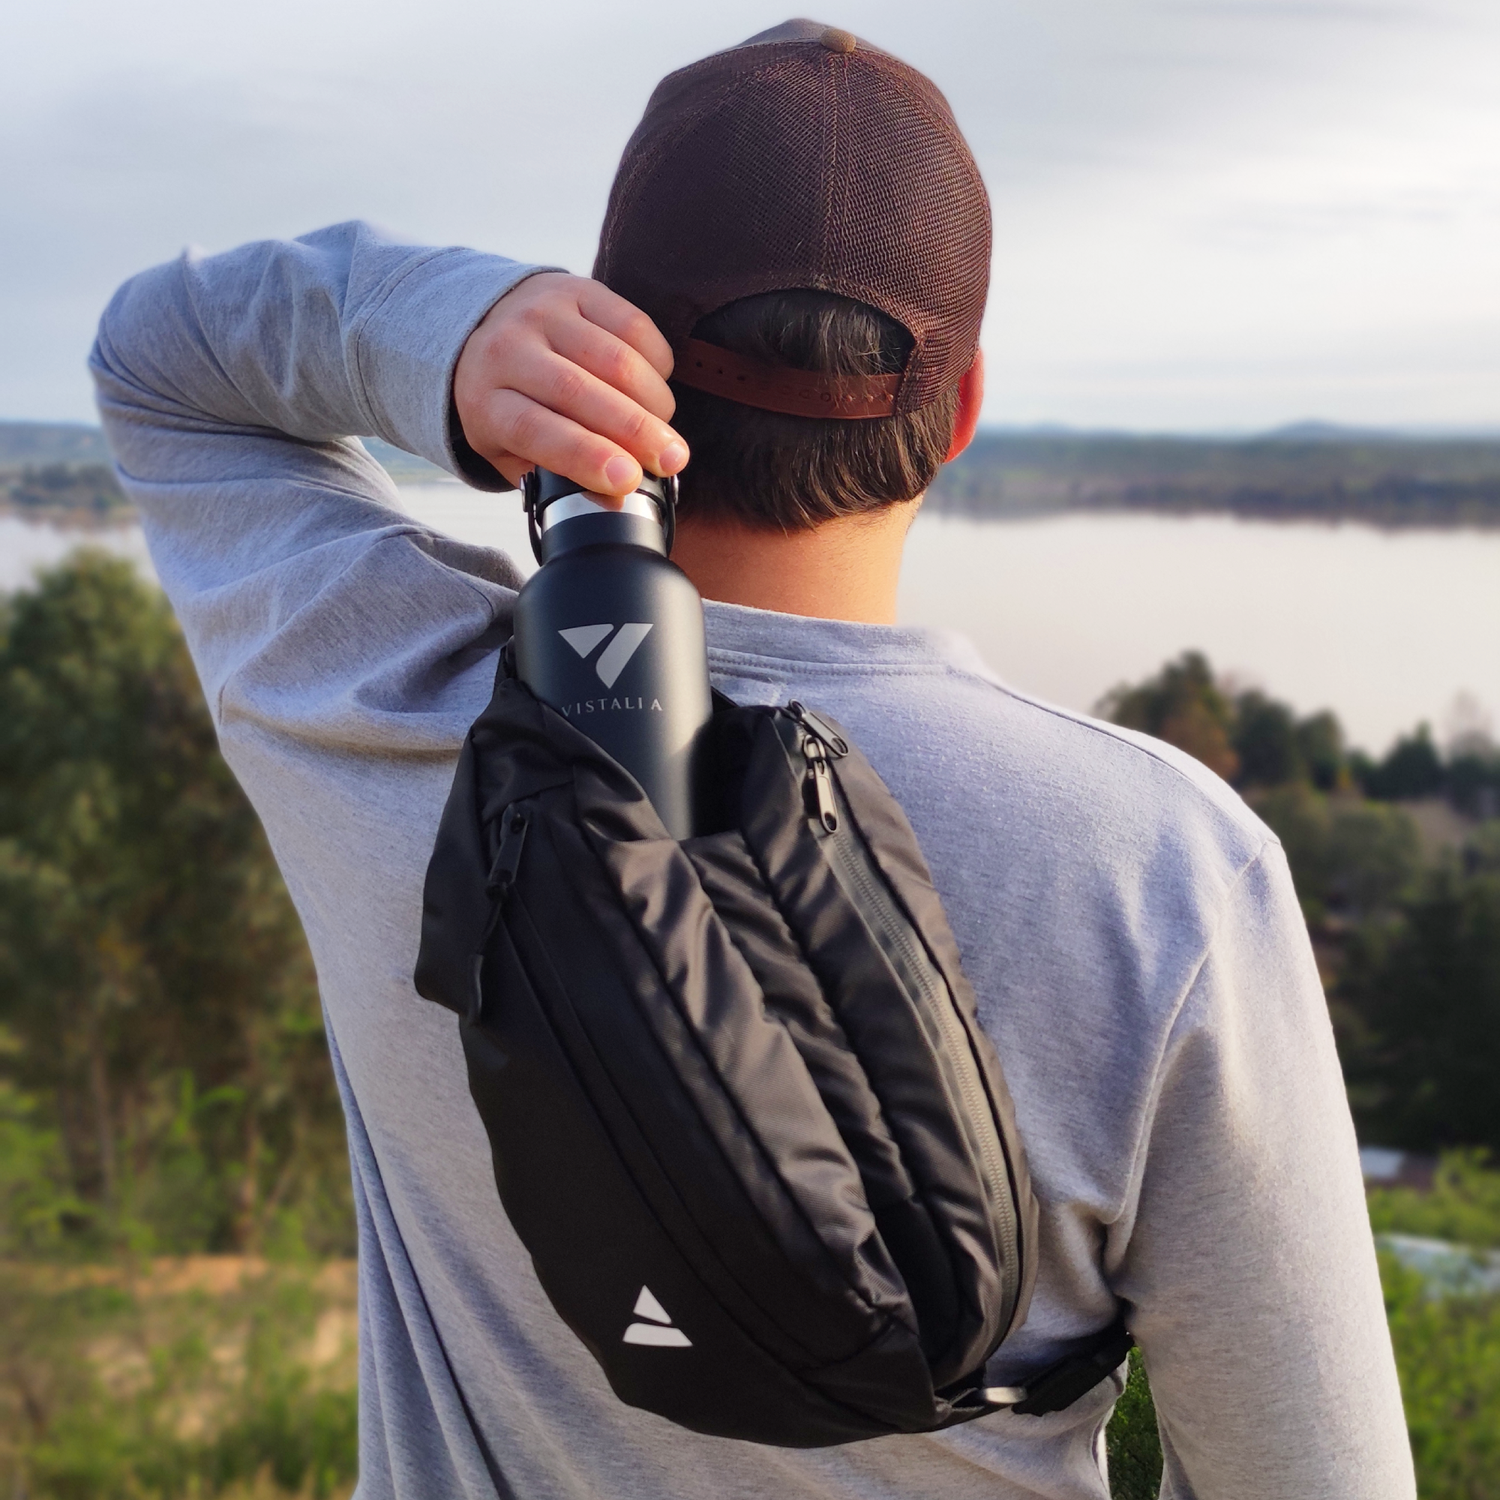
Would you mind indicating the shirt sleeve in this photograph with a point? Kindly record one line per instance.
(232, 390)
(1249, 1266)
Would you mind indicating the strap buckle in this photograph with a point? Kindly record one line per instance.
(1063, 1382)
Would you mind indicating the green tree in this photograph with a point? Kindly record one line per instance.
(1265, 740)
(1424, 990)
(1349, 858)
(1249, 738)
(1320, 737)
(1412, 768)
(1183, 705)
(152, 971)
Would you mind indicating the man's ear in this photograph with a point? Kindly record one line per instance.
(970, 403)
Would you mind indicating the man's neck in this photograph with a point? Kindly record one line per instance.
(842, 570)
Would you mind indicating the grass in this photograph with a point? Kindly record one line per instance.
(1448, 1357)
(207, 1376)
(1447, 1349)
(1463, 1206)
(234, 1378)
(1132, 1439)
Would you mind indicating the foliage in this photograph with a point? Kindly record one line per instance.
(1448, 1359)
(1133, 1441)
(1482, 851)
(1183, 705)
(151, 1387)
(1257, 743)
(1414, 951)
(65, 491)
(1411, 953)
(1447, 1354)
(1248, 738)
(164, 1082)
(168, 1074)
(1463, 1206)
(1349, 858)
(1412, 768)
(1424, 992)
(35, 1203)
(1275, 748)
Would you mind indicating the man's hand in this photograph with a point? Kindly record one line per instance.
(564, 374)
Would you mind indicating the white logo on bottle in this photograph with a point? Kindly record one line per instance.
(659, 1331)
(613, 659)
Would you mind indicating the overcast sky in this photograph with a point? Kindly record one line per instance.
(1210, 214)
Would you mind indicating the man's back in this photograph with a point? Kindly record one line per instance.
(1128, 926)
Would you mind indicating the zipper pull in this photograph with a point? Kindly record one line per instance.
(508, 857)
(822, 783)
(810, 721)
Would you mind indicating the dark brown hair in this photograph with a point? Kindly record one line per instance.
(793, 473)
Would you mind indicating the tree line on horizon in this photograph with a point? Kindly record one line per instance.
(1302, 473)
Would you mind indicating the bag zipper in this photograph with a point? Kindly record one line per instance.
(836, 744)
(502, 877)
(822, 784)
(821, 741)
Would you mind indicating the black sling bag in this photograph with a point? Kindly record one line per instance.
(741, 1110)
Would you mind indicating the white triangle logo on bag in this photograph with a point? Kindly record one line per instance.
(659, 1331)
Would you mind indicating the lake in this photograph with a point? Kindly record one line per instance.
(1387, 628)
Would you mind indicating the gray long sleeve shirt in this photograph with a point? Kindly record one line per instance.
(1129, 927)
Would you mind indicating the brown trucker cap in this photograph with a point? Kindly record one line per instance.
(803, 159)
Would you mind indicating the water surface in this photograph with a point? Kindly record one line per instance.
(1386, 627)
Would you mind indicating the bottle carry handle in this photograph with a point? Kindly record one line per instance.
(540, 487)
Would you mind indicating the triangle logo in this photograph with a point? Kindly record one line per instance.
(646, 1306)
(583, 638)
(616, 656)
(654, 1333)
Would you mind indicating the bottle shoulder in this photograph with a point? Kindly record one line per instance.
(609, 562)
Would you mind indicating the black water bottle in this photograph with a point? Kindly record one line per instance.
(610, 634)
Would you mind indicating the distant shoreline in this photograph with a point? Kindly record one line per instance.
(1299, 475)
(60, 474)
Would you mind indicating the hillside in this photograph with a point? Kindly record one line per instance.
(60, 472)
(23, 443)
(1300, 473)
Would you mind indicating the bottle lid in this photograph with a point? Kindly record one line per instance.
(551, 498)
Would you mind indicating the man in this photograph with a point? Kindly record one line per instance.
(803, 201)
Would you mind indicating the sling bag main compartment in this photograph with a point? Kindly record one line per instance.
(741, 1110)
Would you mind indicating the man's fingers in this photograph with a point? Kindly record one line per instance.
(627, 322)
(615, 362)
(572, 392)
(564, 373)
(518, 428)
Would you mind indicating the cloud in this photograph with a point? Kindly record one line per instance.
(1177, 187)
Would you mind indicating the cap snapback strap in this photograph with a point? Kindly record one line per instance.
(794, 393)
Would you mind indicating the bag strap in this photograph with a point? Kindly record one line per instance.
(1063, 1382)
